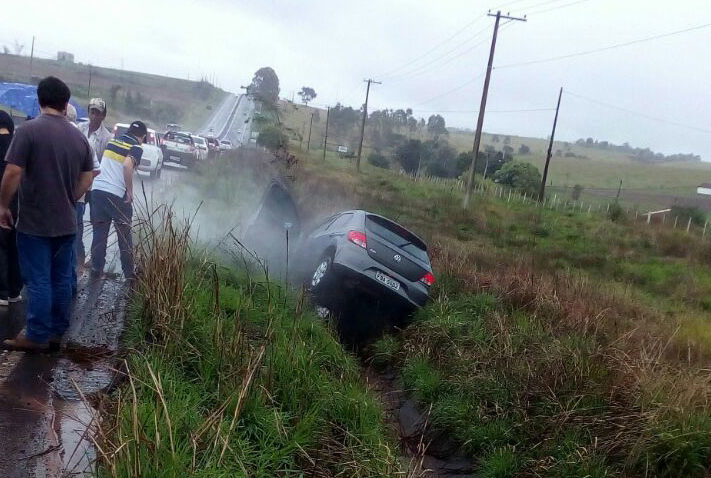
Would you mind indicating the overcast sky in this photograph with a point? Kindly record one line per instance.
(333, 45)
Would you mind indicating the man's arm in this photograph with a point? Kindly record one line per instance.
(8, 189)
(128, 166)
(84, 183)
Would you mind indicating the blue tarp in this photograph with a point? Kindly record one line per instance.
(22, 97)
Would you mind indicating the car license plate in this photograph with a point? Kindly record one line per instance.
(392, 283)
(177, 158)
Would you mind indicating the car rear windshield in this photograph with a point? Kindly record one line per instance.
(179, 138)
(398, 235)
(199, 140)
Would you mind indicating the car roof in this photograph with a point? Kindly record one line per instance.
(126, 125)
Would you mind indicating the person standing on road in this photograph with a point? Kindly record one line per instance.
(94, 129)
(49, 160)
(10, 279)
(112, 198)
(78, 252)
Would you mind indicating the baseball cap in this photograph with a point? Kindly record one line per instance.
(138, 128)
(98, 103)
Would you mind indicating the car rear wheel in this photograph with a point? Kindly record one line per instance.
(320, 280)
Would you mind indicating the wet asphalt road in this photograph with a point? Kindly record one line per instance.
(46, 416)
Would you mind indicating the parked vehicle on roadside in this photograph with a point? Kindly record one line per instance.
(179, 147)
(225, 145)
(152, 158)
(201, 147)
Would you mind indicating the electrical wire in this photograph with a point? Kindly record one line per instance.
(557, 7)
(453, 90)
(609, 47)
(434, 48)
(636, 113)
(524, 110)
(427, 66)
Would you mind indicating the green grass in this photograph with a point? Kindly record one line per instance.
(250, 384)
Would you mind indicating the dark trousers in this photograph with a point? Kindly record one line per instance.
(105, 209)
(10, 278)
(46, 265)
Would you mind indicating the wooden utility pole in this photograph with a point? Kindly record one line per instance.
(32, 56)
(482, 108)
(362, 124)
(311, 123)
(325, 137)
(542, 192)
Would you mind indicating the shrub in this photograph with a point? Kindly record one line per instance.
(379, 161)
(577, 191)
(698, 217)
(272, 138)
(524, 177)
(616, 213)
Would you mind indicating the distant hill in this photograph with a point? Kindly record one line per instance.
(129, 95)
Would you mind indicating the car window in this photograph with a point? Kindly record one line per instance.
(322, 227)
(398, 235)
(340, 222)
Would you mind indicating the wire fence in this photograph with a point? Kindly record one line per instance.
(664, 218)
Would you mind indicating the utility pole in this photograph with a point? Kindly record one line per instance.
(542, 192)
(325, 138)
(362, 124)
(32, 56)
(482, 108)
(311, 123)
(89, 93)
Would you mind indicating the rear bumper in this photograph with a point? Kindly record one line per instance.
(357, 271)
(178, 157)
(148, 165)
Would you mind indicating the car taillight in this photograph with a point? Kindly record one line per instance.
(358, 238)
(428, 279)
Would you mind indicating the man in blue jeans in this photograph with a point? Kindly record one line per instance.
(50, 161)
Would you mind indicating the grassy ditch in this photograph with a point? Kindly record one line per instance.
(226, 375)
(557, 344)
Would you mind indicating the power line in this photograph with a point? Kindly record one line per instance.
(453, 90)
(425, 67)
(523, 110)
(434, 48)
(609, 47)
(557, 7)
(637, 113)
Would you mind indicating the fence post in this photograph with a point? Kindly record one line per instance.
(703, 234)
(589, 207)
(608, 208)
(688, 225)
(649, 217)
(676, 219)
(664, 218)
(636, 213)
(509, 198)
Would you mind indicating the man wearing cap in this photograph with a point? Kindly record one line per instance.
(112, 198)
(94, 130)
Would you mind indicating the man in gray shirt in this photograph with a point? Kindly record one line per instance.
(50, 161)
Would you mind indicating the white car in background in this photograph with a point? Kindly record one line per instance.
(201, 147)
(225, 145)
(152, 158)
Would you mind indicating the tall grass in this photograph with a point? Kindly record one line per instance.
(227, 374)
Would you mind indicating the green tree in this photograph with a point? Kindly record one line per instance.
(307, 94)
(378, 160)
(436, 125)
(272, 138)
(524, 177)
(410, 153)
(523, 149)
(265, 85)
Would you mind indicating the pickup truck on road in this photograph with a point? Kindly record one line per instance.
(179, 148)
